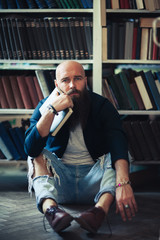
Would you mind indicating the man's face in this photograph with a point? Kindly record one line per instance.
(71, 78)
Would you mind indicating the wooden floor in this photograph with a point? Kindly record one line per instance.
(20, 219)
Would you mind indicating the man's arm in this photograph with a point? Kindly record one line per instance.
(124, 192)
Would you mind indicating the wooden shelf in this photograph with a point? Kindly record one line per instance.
(139, 112)
(131, 61)
(57, 10)
(13, 162)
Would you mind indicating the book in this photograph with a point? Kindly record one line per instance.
(103, 13)
(60, 119)
(114, 37)
(8, 141)
(3, 99)
(151, 83)
(144, 43)
(142, 73)
(24, 92)
(134, 147)
(42, 83)
(141, 140)
(53, 35)
(123, 93)
(16, 38)
(156, 132)
(6, 38)
(115, 4)
(32, 90)
(143, 92)
(149, 137)
(148, 22)
(21, 32)
(116, 92)
(38, 89)
(150, 5)
(129, 25)
(140, 4)
(87, 23)
(11, 39)
(7, 154)
(49, 38)
(64, 37)
(16, 92)
(131, 74)
(128, 90)
(74, 39)
(14, 132)
(8, 92)
(121, 36)
(107, 92)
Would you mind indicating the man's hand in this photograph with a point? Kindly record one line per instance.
(125, 202)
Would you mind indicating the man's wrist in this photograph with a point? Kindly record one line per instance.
(123, 183)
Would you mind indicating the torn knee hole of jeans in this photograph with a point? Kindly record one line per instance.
(50, 168)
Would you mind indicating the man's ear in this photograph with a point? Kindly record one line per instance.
(55, 82)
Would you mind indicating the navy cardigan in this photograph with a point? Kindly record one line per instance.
(103, 133)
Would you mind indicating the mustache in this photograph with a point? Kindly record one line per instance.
(71, 91)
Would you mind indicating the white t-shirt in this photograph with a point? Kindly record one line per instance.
(76, 152)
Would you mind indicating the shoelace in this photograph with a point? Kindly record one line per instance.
(51, 211)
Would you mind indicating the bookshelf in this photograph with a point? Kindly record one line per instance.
(107, 17)
(23, 65)
(100, 16)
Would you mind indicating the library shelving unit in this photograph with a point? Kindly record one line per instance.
(106, 16)
(96, 64)
(23, 65)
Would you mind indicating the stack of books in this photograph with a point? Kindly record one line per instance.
(12, 142)
(132, 90)
(144, 139)
(150, 5)
(132, 39)
(46, 38)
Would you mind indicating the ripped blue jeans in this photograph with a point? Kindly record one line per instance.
(72, 184)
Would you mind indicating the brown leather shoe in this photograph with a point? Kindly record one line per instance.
(91, 219)
(58, 218)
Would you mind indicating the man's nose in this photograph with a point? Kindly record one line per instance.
(72, 84)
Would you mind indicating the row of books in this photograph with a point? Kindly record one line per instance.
(150, 5)
(42, 4)
(12, 142)
(25, 91)
(132, 39)
(132, 90)
(144, 139)
(46, 38)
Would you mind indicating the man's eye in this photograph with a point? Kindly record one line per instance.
(65, 80)
(78, 78)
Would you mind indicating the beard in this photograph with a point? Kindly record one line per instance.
(80, 110)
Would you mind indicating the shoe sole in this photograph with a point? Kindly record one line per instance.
(63, 223)
(83, 224)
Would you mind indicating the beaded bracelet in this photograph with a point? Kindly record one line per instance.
(50, 107)
(123, 183)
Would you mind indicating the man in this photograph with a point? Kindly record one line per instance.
(75, 166)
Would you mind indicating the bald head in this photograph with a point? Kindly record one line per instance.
(69, 66)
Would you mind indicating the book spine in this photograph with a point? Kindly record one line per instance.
(24, 92)
(16, 92)
(8, 91)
